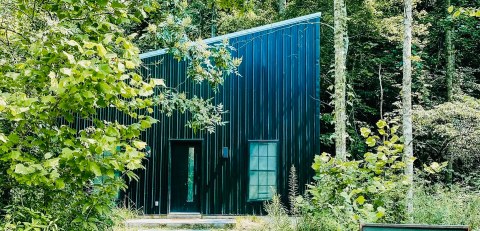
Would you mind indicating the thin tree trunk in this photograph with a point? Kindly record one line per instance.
(449, 82)
(450, 58)
(282, 4)
(213, 27)
(340, 30)
(407, 102)
(381, 90)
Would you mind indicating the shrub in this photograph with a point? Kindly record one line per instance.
(346, 193)
(278, 215)
(440, 205)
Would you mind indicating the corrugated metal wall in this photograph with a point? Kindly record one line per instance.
(276, 98)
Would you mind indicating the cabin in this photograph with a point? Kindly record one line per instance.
(273, 123)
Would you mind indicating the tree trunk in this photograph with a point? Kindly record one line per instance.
(213, 28)
(407, 102)
(449, 82)
(450, 58)
(340, 30)
(282, 4)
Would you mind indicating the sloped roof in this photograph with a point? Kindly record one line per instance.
(241, 33)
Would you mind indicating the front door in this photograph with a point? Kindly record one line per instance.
(185, 159)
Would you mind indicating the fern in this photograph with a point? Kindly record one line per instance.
(293, 190)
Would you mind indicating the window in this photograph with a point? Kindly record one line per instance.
(262, 170)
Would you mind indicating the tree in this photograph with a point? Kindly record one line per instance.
(282, 4)
(66, 61)
(449, 75)
(341, 43)
(407, 100)
(450, 56)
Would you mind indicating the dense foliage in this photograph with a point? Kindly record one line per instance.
(347, 193)
(60, 63)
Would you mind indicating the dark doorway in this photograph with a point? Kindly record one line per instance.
(185, 156)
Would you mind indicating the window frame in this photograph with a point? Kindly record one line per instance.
(277, 156)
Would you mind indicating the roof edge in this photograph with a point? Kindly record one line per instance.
(243, 32)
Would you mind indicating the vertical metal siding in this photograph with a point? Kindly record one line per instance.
(275, 98)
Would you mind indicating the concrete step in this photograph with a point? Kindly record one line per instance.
(182, 223)
(184, 216)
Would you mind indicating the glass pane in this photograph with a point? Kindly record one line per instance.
(253, 192)
(272, 178)
(263, 163)
(272, 149)
(263, 178)
(253, 163)
(272, 163)
(253, 149)
(263, 149)
(263, 189)
(191, 167)
(253, 178)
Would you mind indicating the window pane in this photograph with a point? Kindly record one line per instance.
(253, 192)
(272, 149)
(263, 149)
(263, 178)
(263, 189)
(272, 163)
(263, 163)
(253, 150)
(191, 167)
(272, 178)
(253, 163)
(253, 178)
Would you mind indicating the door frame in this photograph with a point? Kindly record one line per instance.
(170, 142)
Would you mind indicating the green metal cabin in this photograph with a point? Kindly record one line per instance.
(273, 123)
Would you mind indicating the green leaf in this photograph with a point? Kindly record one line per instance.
(95, 169)
(365, 132)
(370, 141)
(21, 169)
(380, 212)
(60, 184)
(457, 13)
(360, 200)
(102, 2)
(66, 71)
(3, 138)
(139, 144)
(129, 65)
(3, 104)
(70, 57)
(101, 50)
(381, 124)
(450, 9)
(67, 154)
